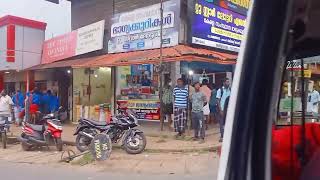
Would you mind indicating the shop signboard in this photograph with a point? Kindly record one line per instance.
(144, 109)
(80, 41)
(217, 27)
(140, 29)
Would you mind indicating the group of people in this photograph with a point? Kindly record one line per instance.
(205, 103)
(22, 106)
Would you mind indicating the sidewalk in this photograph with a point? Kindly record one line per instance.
(157, 141)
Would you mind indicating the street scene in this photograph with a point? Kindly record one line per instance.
(123, 89)
(159, 89)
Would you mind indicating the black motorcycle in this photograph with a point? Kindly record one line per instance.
(4, 126)
(122, 128)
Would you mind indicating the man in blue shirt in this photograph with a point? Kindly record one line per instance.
(54, 102)
(222, 95)
(18, 100)
(180, 94)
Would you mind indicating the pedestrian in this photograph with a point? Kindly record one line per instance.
(35, 102)
(213, 104)
(167, 100)
(207, 92)
(18, 100)
(54, 102)
(198, 102)
(313, 100)
(180, 94)
(6, 105)
(45, 102)
(222, 94)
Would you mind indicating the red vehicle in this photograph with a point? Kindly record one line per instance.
(41, 135)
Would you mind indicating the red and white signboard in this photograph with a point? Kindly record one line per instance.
(80, 41)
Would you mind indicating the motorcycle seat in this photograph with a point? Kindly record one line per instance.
(37, 127)
(96, 123)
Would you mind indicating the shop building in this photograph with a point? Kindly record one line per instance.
(129, 61)
(20, 48)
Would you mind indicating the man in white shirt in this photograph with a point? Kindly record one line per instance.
(6, 104)
(313, 102)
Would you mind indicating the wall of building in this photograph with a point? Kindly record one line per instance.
(28, 48)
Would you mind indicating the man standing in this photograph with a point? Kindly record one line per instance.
(222, 95)
(18, 100)
(167, 100)
(207, 92)
(180, 94)
(313, 100)
(198, 101)
(5, 106)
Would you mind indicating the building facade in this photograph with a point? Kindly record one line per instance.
(20, 48)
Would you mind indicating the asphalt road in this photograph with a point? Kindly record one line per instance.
(24, 171)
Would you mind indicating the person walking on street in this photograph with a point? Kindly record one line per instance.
(198, 101)
(207, 92)
(6, 105)
(167, 101)
(18, 100)
(213, 104)
(180, 94)
(222, 95)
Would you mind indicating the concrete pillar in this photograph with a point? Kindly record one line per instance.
(29, 76)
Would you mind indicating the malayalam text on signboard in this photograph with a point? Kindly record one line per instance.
(140, 29)
(217, 27)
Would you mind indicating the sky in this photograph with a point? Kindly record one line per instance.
(57, 16)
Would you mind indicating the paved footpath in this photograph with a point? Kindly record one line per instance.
(157, 141)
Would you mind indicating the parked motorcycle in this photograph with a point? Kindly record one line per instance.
(122, 128)
(4, 126)
(42, 135)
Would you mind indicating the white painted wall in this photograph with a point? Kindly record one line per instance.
(28, 46)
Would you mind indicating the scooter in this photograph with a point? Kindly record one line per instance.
(41, 135)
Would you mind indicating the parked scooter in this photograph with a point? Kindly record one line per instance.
(122, 128)
(42, 135)
(4, 126)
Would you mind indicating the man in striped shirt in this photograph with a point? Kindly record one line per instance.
(180, 94)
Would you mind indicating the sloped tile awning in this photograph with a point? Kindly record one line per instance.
(62, 64)
(170, 54)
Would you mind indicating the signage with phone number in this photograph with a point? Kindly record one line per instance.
(217, 27)
(144, 109)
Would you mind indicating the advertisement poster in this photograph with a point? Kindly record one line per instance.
(136, 82)
(144, 109)
(217, 27)
(80, 41)
(140, 29)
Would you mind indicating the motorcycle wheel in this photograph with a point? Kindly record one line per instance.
(4, 140)
(59, 144)
(82, 143)
(135, 144)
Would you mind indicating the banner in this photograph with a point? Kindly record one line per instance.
(144, 109)
(140, 28)
(80, 41)
(217, 27)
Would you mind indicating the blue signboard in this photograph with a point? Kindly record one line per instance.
(217, 27)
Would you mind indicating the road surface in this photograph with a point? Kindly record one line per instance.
(25, 171)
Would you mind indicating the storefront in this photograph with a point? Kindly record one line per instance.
(294, 87)
(92, 93)
(137, 80)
